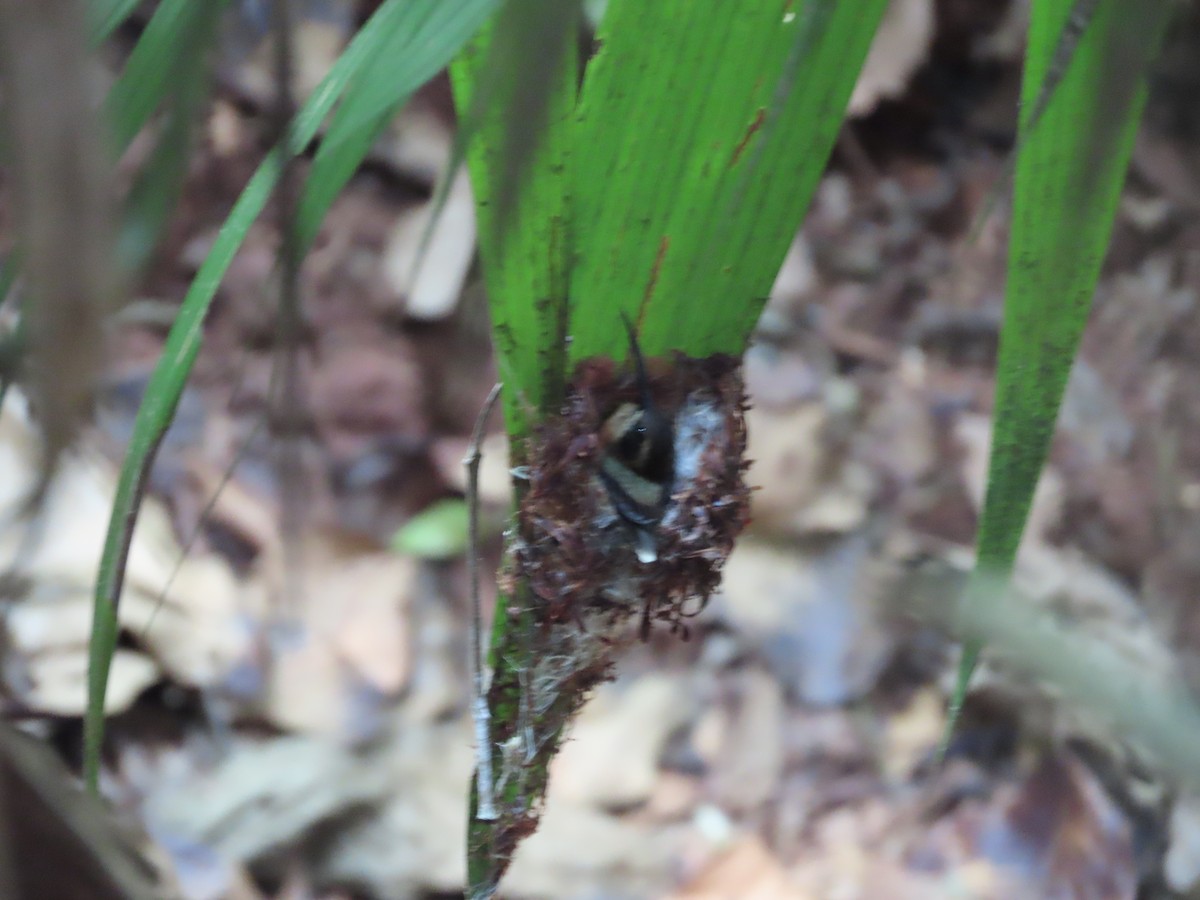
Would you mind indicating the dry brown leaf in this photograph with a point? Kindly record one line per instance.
(745, 871)
(803, 489)
(579, 851)
(443, 270)
(749, 768)
(366, 386)
(373, 636)
(316, 45)
(243, 511)
(809, 616)
(1062, 835)
(264, 793)
(611, 758)
(788, 462)
(420, 141)
(75, 518)
(203, 628)
(196, 632)
(760, 582)
(306, 685)
(675, 796)
(900, 432)
(56, 681)
(912, 733)
(346, 631)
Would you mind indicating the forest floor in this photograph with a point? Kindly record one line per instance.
(292, 717)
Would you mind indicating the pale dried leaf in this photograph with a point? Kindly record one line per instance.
(440, 275)
(900, 47)
(612, 758)
(912, 734)
(748, 871)
(750, 765)
(57, 681)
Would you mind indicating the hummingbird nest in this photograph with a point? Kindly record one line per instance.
(634, 494)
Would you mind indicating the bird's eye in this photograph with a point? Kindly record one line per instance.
(630, 443)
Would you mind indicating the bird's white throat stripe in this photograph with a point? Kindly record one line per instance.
(641, 491)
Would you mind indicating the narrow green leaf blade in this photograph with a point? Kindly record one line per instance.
(417, 40)
(103, 17)
(153, 418)
(171, 373)
(523, 234)
(160, 181)
(1073, 155)
(149, 72)
(438, 532)
(421, 37)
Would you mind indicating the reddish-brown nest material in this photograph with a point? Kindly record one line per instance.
(577, 553)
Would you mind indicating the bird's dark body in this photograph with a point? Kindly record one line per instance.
(638, 466)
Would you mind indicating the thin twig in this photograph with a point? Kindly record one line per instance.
(202, 519)
(1141, 703)
(486, 807)
(285, 407)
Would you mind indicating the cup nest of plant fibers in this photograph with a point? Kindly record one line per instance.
(573, 548)
(573, 569)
